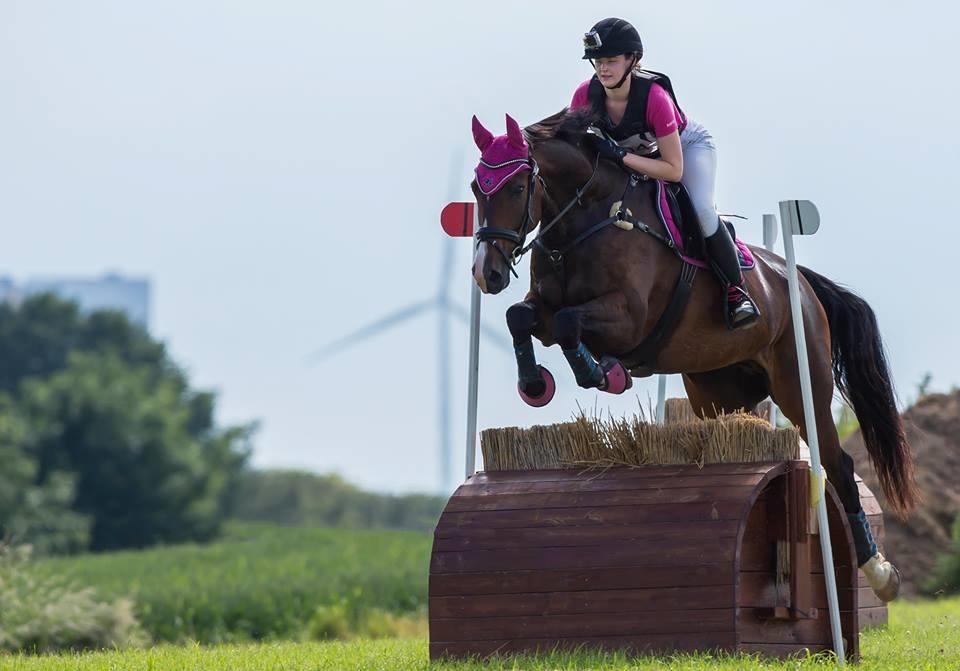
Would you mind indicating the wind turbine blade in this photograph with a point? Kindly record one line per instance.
(497, 338)
(374, 328)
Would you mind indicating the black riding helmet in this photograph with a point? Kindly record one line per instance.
(612, 37)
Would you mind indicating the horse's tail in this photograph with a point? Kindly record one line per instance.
(862, 375)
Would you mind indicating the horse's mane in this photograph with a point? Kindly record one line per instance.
(567, 125)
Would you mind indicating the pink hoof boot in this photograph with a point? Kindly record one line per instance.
(548, 392)
(618, 377)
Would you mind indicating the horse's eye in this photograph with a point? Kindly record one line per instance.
(517, 190)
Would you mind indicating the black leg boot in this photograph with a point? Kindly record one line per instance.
(722, 254)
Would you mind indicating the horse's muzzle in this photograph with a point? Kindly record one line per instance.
(496, 281)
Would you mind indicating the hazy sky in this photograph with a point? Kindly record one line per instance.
(277, 169)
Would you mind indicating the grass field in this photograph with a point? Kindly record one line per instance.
(263, 581)
(259, 596)
(921, 637)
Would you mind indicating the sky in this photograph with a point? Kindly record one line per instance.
(277, 170)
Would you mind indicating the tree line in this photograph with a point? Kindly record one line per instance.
(104, 444)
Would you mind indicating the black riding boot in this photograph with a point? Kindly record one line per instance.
(722, 253)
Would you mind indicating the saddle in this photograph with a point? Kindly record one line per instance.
(686, 232)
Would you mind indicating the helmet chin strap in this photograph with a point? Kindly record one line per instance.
(633, 64)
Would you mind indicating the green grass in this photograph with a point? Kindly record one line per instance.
(921, 636)
(261, 581)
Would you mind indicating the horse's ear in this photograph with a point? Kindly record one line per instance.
(481, 135)
(514, 133)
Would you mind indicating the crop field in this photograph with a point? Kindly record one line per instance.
(265, 582)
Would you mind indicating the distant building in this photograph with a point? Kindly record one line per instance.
(110, 292)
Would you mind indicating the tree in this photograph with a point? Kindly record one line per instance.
(106, 440)
(300, 498)
(37, 337)
(40, 513)
(149, 466)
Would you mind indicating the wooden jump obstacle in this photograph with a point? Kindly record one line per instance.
(644, 559)
(651, 558)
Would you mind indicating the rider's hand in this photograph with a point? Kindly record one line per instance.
(608, 149)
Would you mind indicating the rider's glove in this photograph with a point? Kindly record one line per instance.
(608, 149)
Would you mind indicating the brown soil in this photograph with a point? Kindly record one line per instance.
(933, 429)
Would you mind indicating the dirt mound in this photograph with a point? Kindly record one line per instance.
(933, 429)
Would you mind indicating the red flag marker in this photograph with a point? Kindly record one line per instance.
(457, 220)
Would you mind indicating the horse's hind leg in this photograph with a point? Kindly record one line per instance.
(535, 384)
(738, 387)
(785, 389)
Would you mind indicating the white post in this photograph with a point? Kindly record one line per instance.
(769, 242)
(473, 376)
(661, 398)
(793, 222)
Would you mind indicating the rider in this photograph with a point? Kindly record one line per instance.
(638, 110)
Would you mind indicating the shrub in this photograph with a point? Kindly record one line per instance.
(46, 614)
(946, 575)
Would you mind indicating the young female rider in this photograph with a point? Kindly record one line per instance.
(638, 110)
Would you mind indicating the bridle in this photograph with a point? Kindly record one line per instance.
(519, 237)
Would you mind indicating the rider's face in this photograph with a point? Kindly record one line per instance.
(611, 68)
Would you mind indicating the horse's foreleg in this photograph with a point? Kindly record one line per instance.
(607, 374)
(534, 382)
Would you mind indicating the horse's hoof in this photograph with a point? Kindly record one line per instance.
(618, 378)
(549, 389)
(884, 577)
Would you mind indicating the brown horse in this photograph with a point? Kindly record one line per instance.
(600, 290)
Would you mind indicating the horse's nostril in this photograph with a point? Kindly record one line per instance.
(494, 277)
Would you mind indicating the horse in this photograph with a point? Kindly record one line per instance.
(602, 276)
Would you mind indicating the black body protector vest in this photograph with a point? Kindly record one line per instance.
(632, 132)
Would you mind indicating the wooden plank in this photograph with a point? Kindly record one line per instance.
(624, 472)
(869, 599)
(604, 624)
(677, 497)
(478, 538)
(869, 502)
(511, 582)
(646, 644)
(592, 516)
(610, 484)
(800, 632)
(873, 617)
(759, 556)
(762, 557)
(794, 632)
(798, 505)
(759, 590)
(522, 501)
(691, 552)
(586, 602)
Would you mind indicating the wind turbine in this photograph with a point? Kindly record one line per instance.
(445, 308)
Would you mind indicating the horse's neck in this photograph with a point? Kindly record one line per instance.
(602, 191)
(607, 189)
